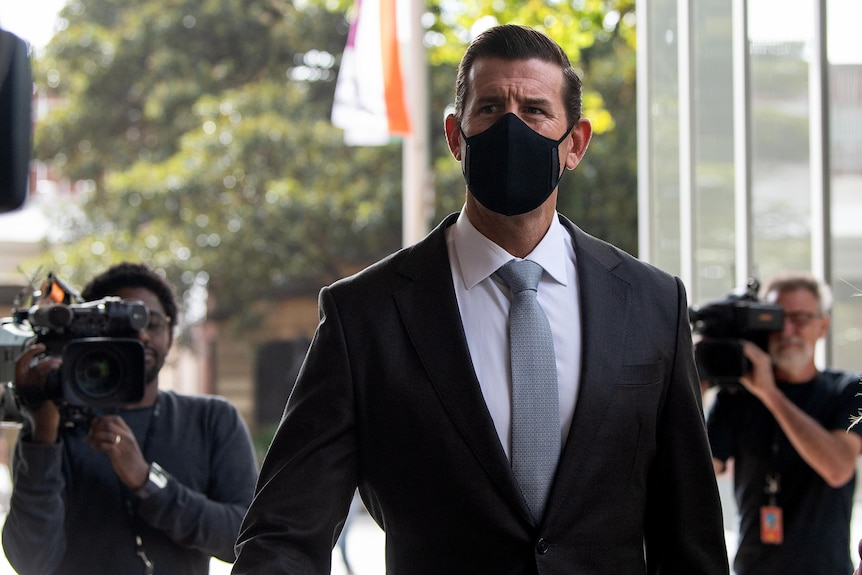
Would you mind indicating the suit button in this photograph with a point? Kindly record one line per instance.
(541, 547)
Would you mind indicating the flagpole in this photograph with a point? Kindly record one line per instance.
(418, 191)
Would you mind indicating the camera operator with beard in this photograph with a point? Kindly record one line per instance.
(159, 486)
(785, 431)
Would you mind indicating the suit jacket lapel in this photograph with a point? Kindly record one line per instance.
(604, 311)
(434, 324)
(430, 314)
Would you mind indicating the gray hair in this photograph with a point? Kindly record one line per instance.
(794, 280)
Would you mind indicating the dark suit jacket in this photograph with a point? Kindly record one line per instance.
(387, 398)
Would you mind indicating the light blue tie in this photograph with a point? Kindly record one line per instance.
(535, 401)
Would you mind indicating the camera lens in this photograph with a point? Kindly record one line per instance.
(103, 372)
(96, 374)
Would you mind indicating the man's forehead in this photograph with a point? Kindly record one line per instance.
(531, 77)
(796, 294)
(141, 293)
(532, 66)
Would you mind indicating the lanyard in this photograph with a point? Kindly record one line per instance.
(773, 477)
(130, 507)
(142, 554)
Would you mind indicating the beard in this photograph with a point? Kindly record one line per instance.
(151, 374)
(791, 354)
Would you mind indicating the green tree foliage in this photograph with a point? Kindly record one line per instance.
(202, 127)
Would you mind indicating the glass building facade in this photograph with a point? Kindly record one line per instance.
(750, 148)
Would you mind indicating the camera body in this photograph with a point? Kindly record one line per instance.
(103, 360)
(723, 326)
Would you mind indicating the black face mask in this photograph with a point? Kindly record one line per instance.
(510, 168)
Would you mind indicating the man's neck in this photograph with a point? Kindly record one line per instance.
(151, 392)
(796, 376)
(518, 235)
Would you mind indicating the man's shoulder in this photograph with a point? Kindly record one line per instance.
(838, 380)
(838, 394)
(184, 402)
(843, 389)
(612, 257)
(428, 255)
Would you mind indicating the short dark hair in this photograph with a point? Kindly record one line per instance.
(514, 42)
(132, 275)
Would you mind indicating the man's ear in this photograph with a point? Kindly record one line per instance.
(453, 135)
(580, 140)
(824, 326)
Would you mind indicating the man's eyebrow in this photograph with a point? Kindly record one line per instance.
(536, 101)
(488, 99)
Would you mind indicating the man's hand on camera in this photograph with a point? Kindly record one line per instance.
(110, 435)
(31, 371)
(760, 381)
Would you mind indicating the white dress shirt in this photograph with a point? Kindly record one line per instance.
(484, 304)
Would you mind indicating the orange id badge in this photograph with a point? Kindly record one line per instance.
(771, 525)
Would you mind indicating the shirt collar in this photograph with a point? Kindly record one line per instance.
(479, 257)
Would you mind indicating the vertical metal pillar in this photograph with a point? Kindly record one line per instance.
(742, 141)
(687, 184)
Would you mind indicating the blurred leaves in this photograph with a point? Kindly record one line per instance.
(200, 130)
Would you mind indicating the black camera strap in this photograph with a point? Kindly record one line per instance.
(142, 554)
(29, 397)
(135, 519)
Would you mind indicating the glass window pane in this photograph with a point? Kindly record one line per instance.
(845, 110)
(712, 76)
(781, 171)
(664, 134)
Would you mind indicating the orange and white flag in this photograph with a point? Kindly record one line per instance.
(370, 92)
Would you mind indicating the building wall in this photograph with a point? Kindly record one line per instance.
(235, 357)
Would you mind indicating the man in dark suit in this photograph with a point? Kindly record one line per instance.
(406, 390)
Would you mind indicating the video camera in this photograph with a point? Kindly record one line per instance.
(103, 361)
(724, 325)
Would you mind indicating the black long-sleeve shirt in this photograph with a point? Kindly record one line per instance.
(70, 514)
